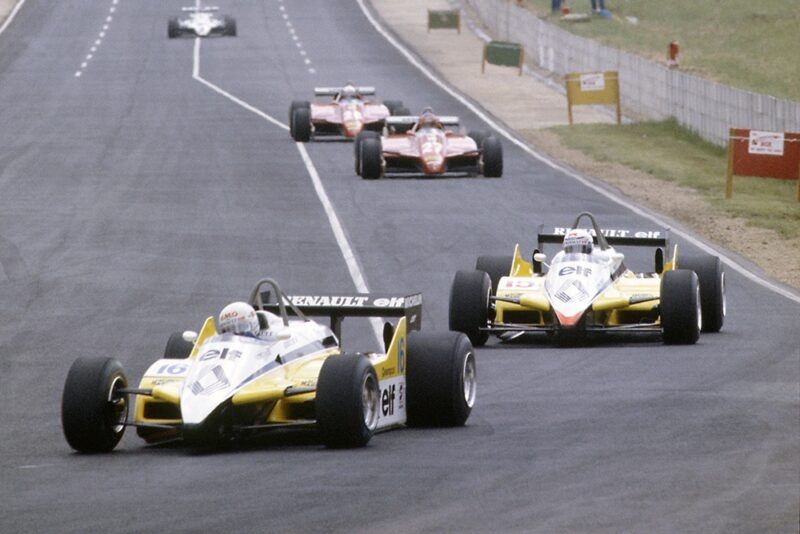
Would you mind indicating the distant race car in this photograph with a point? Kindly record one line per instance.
(201, 22)
(589, 290)
(341, 118)
(211, 388)
(427, 146)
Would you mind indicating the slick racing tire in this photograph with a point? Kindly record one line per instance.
(440, 379)
(469, 305)
(478, 136)
(173, 29)
(496, 267)
(371, 158)
(712, 289)
(364, 134)
(93, 412)
(229, 26)
(492, 157)
(393, 106)
(681, 317)
(177, 348)
(294, 105)
(348, 401)
(300, 125)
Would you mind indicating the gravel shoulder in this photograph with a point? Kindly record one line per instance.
(529, 107)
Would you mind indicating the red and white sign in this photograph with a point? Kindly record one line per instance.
(593, 81)
(766, 143)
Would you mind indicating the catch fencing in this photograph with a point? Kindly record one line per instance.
(648, 89)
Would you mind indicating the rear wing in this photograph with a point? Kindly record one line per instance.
(333, 91)
(448, 121)
(196, 9)
(339, 306)
(612, 236)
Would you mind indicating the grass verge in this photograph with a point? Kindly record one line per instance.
(748, 44)
(669, 152)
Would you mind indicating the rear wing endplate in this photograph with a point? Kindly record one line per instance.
(339, 306)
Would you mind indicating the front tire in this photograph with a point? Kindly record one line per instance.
(440, 379)
(348, 401)
(469, 305)
(300, 125)
(93, 412)
(230, 26)
(492, 157)
(173, 29)
(681, 317)
(364, 134)
(371, 158)
(712, 289)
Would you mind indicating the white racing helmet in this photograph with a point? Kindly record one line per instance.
(578, 240)
(238, 318)
(349, 91)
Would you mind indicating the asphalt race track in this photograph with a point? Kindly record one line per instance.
(137, 200)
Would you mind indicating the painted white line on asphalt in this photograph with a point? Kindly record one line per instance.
(97, 42)
(296, 38)
(729, 261)
(11, 16)
(353, 267)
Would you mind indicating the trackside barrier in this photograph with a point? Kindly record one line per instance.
(763, 154)
(503, 53)
(587, 88)
(444, 19)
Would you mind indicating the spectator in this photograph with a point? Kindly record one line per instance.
(555, 5)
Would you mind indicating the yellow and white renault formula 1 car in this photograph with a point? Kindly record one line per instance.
(211, 388)
(587, 289)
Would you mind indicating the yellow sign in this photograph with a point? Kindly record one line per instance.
(588, 88)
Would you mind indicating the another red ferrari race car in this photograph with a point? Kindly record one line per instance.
(427, 145)
(342, 118)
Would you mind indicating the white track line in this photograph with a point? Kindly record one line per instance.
(730, 262)
(11, 16)
(353, 266)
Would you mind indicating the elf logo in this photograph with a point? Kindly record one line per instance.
(387, 400)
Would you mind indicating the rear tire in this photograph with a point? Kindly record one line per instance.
(712, 289)
(440, 379)
(177, 348)
(93, 413)
(300, 125)
(478, 136)
(680, 307)
(348, 401)
(364, 134)
(371, 158)
(393, 106)
(492, 157)
(496, 267)
(173, 29)
(469, 305)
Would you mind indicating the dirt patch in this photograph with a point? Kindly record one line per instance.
(775, 255)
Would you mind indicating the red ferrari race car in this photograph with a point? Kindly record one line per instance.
(427, 145)
(344, 117)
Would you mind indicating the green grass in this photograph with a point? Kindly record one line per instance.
(749, 44)
(671, 153)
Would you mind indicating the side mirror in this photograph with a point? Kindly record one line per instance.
(189, 336)
(618, 256)
(541, 257)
